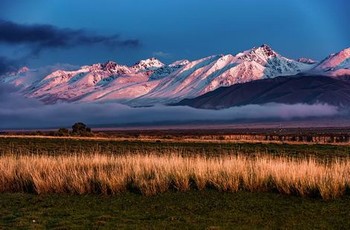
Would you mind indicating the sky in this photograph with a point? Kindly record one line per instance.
(40, 32)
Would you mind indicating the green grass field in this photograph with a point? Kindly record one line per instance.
(190, 210)
(71, 146)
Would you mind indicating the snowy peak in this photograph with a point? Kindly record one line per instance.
(259, 54)
(265, 50)
(110, 65)
(23, 70)
(148, 64)
(270, 63)
(114, 68)
(307, 61)
(340, 60)
(179, 63)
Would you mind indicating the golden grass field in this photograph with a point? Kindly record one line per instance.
(153, 173)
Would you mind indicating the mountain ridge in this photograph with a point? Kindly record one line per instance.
(150, 81)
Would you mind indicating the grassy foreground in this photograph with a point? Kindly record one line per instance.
(186, 210)
(153, 174)
(192, 209)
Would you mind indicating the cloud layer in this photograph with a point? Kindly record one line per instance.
(40, 37)
(7, 65)
(17, 112)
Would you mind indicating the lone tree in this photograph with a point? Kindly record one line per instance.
(63, 132)
(80, 129)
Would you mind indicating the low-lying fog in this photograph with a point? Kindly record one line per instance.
(17, 112)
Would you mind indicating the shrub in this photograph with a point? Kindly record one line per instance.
(81, 129)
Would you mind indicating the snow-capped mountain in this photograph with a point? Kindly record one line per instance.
(337, 64)
(150, 81)
(148, 64)
(207, 74)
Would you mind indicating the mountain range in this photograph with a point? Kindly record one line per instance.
(258, 75)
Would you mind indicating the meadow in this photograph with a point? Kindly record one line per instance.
(153, 174)
(160, 183)
(72, 145)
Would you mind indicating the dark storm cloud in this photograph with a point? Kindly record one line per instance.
(40, 37)
(18, 112)
(7, 65)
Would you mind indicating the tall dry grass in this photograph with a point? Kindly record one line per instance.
(152, 174)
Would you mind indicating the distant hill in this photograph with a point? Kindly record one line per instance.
(288, 90)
